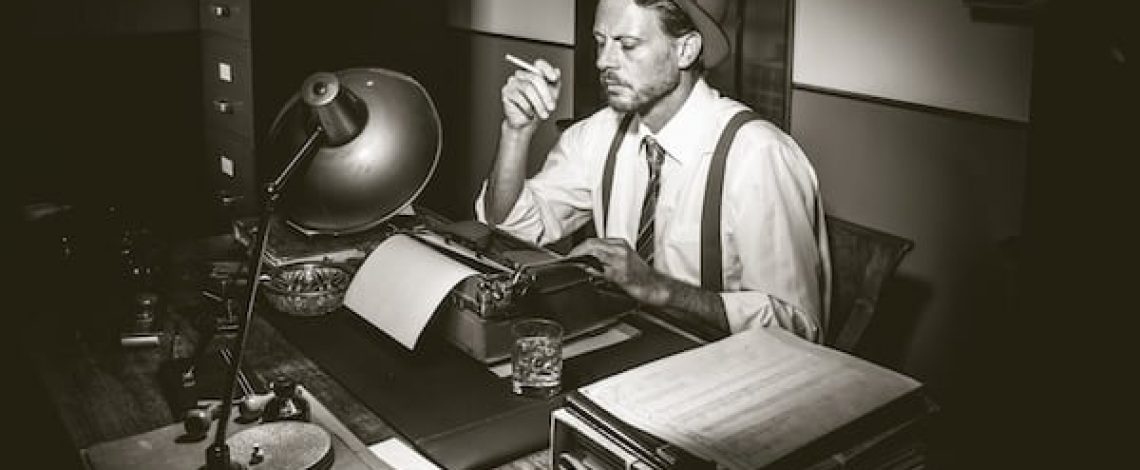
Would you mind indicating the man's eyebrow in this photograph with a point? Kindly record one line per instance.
(617, 37)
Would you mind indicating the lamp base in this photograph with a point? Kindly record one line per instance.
(164, 448)
(284, 445)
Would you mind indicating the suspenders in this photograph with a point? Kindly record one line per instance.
(711, 276)
(608, 173)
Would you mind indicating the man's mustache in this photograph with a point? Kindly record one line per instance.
(608, 79)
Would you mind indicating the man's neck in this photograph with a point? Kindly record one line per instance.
(665, 108)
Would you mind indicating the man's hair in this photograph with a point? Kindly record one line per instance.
(674, 21)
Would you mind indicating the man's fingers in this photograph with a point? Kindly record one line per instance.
(535, 98)
(519, 102)
(611, 252)
(518, 94)
(522, 93)
(536, 87)
(591, 249)
(550, 73)
(591, 246)
(590, 263)
(528, 96)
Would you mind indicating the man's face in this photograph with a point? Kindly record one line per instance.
(637, 61)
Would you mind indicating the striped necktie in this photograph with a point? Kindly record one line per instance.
(654, 156)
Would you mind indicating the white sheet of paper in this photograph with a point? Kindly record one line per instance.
(748, 399)
(399, 454)
(399, 286)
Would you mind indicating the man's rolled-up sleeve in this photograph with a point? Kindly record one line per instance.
(755, 309)
(777, 222)
(554, 202)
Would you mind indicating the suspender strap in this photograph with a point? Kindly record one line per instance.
(608, 173)
(711, 276)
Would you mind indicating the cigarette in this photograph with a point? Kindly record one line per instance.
(526, 66)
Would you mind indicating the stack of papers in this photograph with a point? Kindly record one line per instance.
(748, 399)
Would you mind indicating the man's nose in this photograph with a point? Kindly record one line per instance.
(605, 58)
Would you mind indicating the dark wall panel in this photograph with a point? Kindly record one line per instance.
(472, 112)
(954, 184)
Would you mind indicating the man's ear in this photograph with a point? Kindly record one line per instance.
(688, 49)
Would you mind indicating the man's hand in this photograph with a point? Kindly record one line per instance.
(529, 97)
(622, 266)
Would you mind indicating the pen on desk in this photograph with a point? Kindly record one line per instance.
(527, 66)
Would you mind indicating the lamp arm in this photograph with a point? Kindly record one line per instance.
(218, 453)
(274, 189)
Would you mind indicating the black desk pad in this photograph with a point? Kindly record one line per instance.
(454, 410)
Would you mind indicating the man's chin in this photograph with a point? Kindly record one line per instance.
(621, 103)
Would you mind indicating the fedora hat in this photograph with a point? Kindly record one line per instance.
(707, 16)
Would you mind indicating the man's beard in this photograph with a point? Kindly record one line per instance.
(642, 100)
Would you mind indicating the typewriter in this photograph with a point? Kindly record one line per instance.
(517, 278)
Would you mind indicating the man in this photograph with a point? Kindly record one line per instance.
(651, 55)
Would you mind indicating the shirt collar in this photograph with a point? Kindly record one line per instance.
(681, 136)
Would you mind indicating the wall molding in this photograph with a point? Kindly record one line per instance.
(923, 108)
(480, 32)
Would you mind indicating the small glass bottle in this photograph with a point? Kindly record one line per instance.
(286, 404)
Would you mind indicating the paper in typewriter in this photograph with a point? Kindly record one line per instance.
(748, 399)
(400, 285)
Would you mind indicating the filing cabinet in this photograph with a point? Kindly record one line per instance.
(255, 55)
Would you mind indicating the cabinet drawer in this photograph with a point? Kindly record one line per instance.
(230, 161)
(230, 17)
(226, 66)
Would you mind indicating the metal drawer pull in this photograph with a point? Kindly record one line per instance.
(220, 11)
(223, 106)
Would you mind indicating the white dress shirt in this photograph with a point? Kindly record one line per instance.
(776, 265)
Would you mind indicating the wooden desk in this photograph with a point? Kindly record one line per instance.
(102, 391)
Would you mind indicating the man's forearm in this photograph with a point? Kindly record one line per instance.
(505, 182)
(692, 302)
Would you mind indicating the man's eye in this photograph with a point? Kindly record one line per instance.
(629, 44)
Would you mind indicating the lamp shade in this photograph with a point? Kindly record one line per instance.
(381, 146)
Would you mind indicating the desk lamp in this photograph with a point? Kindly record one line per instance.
(363, 143)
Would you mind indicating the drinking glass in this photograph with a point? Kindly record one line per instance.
(536, 358)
